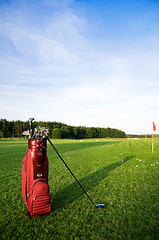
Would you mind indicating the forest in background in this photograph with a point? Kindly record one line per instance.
(57, 130)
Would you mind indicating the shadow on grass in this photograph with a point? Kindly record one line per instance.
(73, 191)
(65, 147)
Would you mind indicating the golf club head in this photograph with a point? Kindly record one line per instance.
(100, 205)
(31, 119)
(26, 133)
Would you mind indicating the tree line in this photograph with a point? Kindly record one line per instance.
(57, 130)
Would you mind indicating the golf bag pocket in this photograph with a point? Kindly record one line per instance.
(39, 199)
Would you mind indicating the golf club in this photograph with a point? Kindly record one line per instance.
(26, 133)
(43, 132)
(96, 206)
(31, 127)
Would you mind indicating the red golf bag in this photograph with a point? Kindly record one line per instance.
(35, 188)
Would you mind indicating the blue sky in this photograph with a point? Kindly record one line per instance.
(81, 62)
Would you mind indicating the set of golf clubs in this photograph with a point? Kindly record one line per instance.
(38, 133)
(34, 132)
(43, 132)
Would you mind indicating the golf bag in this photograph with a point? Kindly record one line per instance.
(35, 188)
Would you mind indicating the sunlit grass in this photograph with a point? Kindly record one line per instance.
(122, 174)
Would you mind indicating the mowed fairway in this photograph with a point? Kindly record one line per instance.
(122, 174)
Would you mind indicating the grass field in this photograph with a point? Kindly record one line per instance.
(122, 174)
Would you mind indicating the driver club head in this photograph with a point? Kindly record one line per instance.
(31, 119)
(100, 205)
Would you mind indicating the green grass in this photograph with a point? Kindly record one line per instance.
(130, 193)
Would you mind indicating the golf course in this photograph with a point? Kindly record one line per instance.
(122, 174)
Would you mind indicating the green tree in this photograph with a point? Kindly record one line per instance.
(91, 132)
(81, 132)
(5, 130)
(16, 128)
(56, 133)
(64, 131)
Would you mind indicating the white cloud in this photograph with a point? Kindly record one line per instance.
(54, 70)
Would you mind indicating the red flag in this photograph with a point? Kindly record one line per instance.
(154, 127)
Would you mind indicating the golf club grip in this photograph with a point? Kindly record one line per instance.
(69, 170)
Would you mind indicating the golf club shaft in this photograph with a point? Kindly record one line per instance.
(31, 127)
(70, 170)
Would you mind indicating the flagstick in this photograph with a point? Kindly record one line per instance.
(152, 143)
(154, 129)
